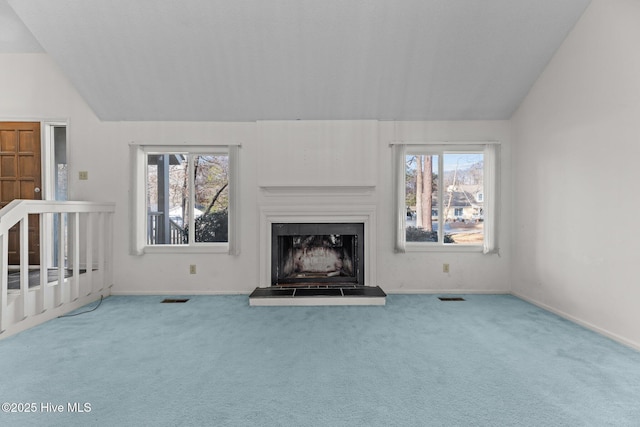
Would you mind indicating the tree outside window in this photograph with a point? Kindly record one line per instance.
(187, 197)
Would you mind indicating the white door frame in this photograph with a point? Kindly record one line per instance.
(48, 169)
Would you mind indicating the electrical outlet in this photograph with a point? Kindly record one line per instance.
(83, 175)
(192, 269)
(445, 268)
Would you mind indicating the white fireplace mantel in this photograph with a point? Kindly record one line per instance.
(345, 212)
(317, 190)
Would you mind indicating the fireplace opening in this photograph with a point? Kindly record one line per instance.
(317, 254)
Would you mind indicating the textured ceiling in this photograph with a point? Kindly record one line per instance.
(245, 60)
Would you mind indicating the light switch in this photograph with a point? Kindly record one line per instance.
(83, 175)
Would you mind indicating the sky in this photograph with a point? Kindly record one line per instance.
(451, 160)
(463, 161)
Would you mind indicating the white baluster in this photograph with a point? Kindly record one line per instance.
(4, 279)
(42, 291)
(108, 277)
(23, 306)
(75, 249)
(102, 224)
(59, 289)
(89, 224)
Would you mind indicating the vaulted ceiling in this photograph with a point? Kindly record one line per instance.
(245, 60)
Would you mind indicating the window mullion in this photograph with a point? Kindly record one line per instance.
(192, 199)
(440, 198)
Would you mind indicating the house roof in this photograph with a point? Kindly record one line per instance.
(231, 60)
(463, 196)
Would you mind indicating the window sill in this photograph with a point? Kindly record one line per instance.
(426, 247)
(222, 248)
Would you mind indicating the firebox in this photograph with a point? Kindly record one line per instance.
(317, 254)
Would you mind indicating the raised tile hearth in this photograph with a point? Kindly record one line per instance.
(317, 295)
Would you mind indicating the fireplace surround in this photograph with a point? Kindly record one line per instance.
(318, 205)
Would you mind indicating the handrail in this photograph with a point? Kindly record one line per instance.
(16, 209)
(90, 245)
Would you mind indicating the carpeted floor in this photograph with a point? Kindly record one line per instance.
(418, 361)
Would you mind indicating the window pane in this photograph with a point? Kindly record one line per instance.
(421, 197)
(167, 199)
(211, 186)
(463, 198)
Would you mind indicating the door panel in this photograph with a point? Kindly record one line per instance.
(20, 176)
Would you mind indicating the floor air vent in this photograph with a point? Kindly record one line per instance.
(450, 299)
(174, 300)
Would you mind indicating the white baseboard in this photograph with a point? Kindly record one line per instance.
(388, 292)
(584, 323)
(444, 291)
(177, 292)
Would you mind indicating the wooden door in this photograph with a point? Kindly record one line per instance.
(20, 178)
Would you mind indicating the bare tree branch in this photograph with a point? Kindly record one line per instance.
(215, 198)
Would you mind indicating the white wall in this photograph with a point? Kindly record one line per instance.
(333, 153)
(576, 172)
(317, 152)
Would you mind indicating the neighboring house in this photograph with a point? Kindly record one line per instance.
(464, 203)
(461, 203)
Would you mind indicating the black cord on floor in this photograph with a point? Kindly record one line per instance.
(83, 312)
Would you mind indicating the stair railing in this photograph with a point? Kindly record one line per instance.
(83, 240)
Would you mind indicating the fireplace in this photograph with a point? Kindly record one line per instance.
(329, 254)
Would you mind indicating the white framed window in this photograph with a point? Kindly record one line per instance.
(184, 198)
(437, 203)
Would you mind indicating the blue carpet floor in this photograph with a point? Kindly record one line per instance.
(215, 361)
